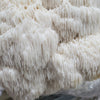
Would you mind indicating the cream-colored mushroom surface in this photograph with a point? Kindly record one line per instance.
(48, 45)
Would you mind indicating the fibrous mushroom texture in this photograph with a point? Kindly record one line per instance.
(48, 45)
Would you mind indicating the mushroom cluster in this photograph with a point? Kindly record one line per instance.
(48, 45)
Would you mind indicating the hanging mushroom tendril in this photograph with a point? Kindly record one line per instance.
(48, 45)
